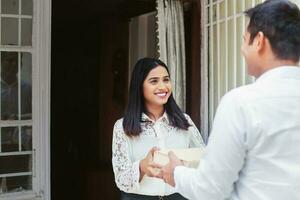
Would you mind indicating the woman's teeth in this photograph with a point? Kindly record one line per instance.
(161, 94)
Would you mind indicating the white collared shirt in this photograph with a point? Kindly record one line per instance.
(253, 152)
(128, 151)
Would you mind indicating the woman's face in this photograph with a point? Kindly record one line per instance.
(157, 87)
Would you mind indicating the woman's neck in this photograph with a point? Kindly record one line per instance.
(155, 112)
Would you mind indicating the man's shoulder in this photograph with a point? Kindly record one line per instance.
(242, 93)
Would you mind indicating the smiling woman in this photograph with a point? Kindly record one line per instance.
(152, 121)
(157, 89)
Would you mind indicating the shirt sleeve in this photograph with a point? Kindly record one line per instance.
(127, 173)
(223, 157)
(196, 139)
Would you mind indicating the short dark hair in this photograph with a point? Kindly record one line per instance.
(135, 107)
(279, 20)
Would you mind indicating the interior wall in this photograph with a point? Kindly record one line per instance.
(74, 103)
(192, 20)
(89, 78)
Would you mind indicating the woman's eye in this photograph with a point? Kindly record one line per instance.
(166, 80)
(153, 81)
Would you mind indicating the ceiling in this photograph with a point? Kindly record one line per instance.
(70, 9)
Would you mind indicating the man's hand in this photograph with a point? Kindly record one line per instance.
(147, 166)
(167, 171)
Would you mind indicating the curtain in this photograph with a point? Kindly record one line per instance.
(171, 45)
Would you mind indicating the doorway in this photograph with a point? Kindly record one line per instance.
(89, 77)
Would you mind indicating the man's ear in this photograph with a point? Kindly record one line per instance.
(260, 41)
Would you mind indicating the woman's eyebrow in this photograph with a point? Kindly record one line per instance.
(152, 78)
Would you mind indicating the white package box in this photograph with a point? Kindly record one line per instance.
(190, 157)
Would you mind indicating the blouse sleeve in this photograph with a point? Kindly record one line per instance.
(126, 172)
(196, 139)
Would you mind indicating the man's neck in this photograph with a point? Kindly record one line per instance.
(275, 64)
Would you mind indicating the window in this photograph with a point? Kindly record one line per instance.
(224, 26)
(16, 96)
(225, 69)
(24, 94)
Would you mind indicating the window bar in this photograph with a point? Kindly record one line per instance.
(10, 123)
(211, 70)
(15, 174)
(16, 153)
(234, 45)
(19, 85)
(252, 78)
(219, 53)
(16, 16)
(0, 66)
(20, 138)
(19, 24)
(226, 46)
(244, 71)
(0, 137)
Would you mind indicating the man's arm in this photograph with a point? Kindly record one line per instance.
(223, 157)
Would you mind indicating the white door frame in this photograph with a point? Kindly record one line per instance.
(204, 75)
(43, 75)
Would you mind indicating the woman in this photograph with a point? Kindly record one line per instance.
(152, 120)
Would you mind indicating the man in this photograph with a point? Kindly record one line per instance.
(254, 149)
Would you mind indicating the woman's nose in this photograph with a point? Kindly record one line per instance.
(161, 85)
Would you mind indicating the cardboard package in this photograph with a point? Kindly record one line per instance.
(190, 157)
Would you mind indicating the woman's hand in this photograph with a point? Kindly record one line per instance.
(147, 166)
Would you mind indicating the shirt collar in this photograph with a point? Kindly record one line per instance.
(164, 117)
(281, 72)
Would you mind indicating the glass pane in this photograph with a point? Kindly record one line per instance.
(9, 86)
(26, 138)
(222, 10)
(239, 6)
(26, 86)
(26, 32)
(230, 8)
(258, 1)
(208, 14)
(9, 139)
(248, 4)
(26, 7)
(15, 164)
(18, 183)
(214, 13)
(10, 6)
(9, 31)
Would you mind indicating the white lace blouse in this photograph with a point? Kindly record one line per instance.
(128, 151)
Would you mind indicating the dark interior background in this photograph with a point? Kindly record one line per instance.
(89, 45)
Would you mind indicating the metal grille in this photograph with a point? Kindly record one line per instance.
(223, 31)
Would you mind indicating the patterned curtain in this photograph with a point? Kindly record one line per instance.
(171, 45)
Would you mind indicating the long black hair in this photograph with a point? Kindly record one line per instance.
(136, 106)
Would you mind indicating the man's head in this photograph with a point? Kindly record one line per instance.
(272, 36)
